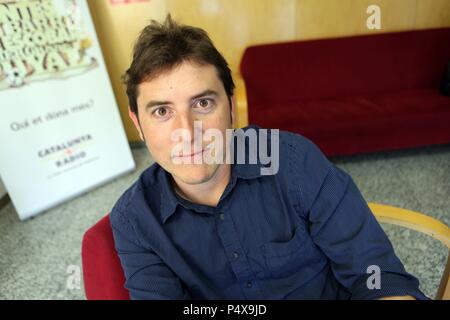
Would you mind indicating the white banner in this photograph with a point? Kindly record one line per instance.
(60, 129)
(2, 190)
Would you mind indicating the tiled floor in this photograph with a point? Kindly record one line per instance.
(36, 256)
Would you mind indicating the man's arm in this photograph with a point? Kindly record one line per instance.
(147, 276)
(343, 226)
(345, 229)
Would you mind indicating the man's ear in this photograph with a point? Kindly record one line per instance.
(134, 117)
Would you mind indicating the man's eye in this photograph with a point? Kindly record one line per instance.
(160, 112)
(204, 103)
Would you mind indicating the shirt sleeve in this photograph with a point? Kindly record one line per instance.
(147, 277)
(343, 226)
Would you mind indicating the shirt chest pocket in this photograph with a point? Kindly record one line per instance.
(294, 255)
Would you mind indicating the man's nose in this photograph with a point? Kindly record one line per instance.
(190, 125)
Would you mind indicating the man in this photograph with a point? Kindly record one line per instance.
(191, 228)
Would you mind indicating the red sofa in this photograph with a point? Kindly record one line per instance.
(103, 275)
(355, 94)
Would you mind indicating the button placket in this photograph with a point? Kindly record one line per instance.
(238, 261)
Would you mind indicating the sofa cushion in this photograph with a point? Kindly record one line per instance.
(363, 123)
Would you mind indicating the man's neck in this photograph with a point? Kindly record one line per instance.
(208, 192)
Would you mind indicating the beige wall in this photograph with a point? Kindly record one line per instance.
(235, 24)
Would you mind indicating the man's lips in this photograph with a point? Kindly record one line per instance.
(192, 154)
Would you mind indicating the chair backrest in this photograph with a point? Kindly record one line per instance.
(103, 275)
(104, 278)
(422, 223)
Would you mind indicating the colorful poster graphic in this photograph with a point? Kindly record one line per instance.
(42, 39)
(60, 129)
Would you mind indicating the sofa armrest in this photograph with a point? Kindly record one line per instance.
(240, 101)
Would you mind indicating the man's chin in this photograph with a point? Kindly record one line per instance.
(195, 174)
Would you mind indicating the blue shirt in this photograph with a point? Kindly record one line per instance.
(304, 233)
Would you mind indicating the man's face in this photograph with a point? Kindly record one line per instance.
(174, 100)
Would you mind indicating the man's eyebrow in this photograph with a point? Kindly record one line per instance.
(207, 92)
(154, 103)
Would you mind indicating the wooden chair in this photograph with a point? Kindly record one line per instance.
(422, 223)
(104, 279)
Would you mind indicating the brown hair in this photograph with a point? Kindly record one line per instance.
(162, 46)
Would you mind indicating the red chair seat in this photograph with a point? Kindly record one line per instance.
(103, 276)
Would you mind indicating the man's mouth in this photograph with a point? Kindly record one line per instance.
(192, 155)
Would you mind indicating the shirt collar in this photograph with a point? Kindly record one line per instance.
(247, 170)
(169, 201)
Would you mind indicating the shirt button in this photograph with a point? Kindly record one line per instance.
(249, 284)
(235, 255)
(222, 216)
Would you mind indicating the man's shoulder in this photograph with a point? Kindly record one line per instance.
(294, 148)
(135, 195)
(296, 140)
(302, 165)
